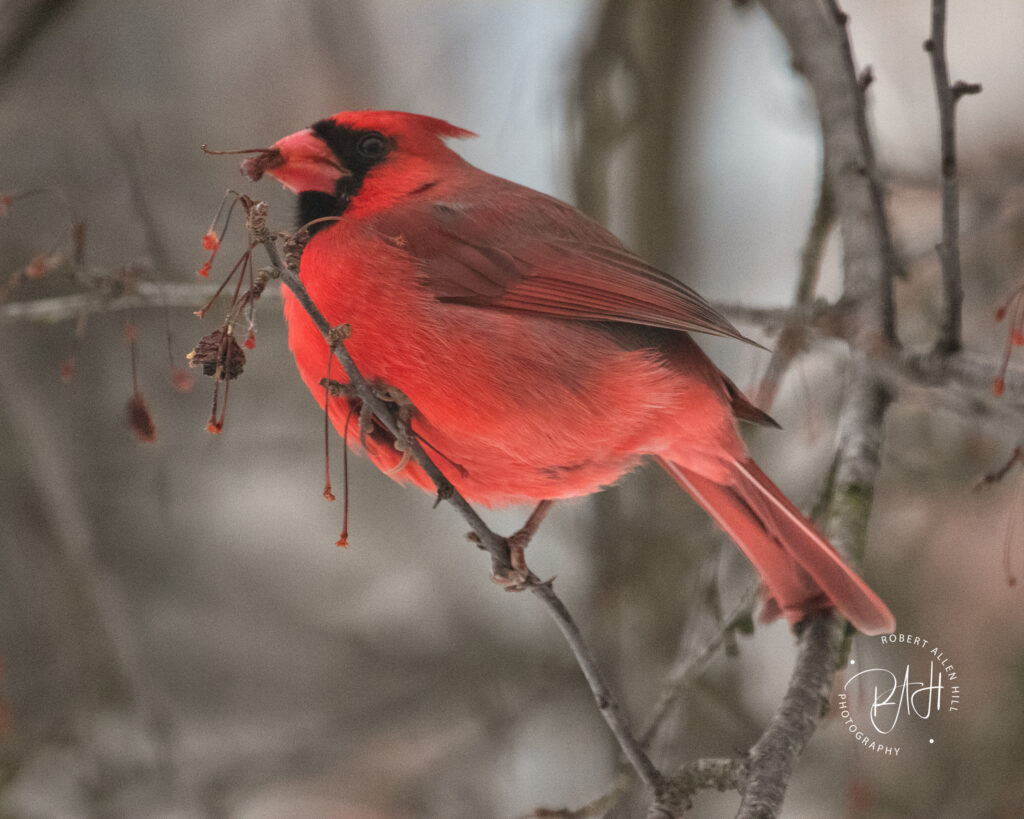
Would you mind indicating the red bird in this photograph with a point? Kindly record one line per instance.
(542, 357)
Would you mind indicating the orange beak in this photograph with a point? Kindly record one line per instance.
(300, 161)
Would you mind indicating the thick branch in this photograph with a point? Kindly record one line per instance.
(806, 699)
(816, 34)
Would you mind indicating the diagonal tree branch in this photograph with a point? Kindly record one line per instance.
(792, 339)
(21, 22)
(495, 545)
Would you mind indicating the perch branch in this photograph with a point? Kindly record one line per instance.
(495, 545)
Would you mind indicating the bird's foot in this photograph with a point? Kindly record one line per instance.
(402, 406)
(392, 396)
(516, 576)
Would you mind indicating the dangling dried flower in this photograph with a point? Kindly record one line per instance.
(218, 354)
(140, 420)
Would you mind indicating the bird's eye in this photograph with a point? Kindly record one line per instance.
(373, 146)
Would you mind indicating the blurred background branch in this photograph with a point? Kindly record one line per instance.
(21, 23)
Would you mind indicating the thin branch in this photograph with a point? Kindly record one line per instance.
(970, 371)
(729, 773)
(496, 546)
(72, 307)
(820, 315)
(974, 372)
(793, 338)
(21, 22)
(609, 708)
(594, 809)
(949, 248)
(817, 238)
(1016, 457)
(688, 666)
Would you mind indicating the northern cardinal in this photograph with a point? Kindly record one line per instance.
(542, 357)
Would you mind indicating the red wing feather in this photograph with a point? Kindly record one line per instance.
(522, 250)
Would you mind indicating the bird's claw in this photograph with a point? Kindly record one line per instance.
(391, 395)
(403, 415)
(517, 580)
(516, 575)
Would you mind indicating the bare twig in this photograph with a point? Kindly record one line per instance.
(22, 21)
(729, 773)
(1016, 457)
(793, 338)
(947, 95)
(817, 238)
(688, 666)
(144, 294)
(631, 748)
(971, 371)
(819, 315)
(594, 809)
(496, 546)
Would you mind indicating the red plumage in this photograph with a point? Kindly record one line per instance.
(543, 358)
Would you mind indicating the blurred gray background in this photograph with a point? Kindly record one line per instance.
(180, 637)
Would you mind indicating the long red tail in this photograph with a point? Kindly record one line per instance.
(801, 569)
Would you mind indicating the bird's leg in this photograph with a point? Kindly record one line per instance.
(519, 577)
(518, 541)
